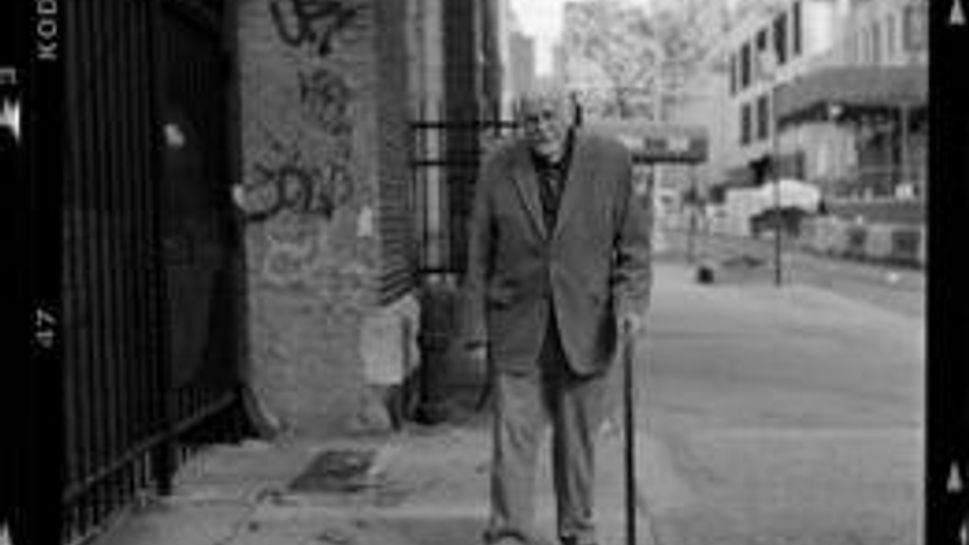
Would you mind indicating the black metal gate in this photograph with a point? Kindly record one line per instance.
(151, 267)
(449, 144)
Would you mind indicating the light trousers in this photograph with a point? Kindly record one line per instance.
(524, 405)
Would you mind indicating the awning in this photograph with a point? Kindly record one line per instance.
(851, 87)
(657, 142)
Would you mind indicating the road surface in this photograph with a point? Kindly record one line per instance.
(790, 416)
(766, 416)
(897, 288)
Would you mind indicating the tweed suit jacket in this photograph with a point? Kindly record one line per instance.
(593, 266)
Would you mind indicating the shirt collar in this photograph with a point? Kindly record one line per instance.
(562, 165)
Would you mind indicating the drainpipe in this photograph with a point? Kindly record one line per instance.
(904, 159)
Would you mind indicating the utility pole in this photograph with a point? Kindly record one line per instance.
(769, 62)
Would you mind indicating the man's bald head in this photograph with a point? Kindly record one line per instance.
(546, 115)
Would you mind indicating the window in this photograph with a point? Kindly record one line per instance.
(916, 31)
(780, 38)
(733, 74)
(876, 43)
(763, 117)
(745, 66)
(890, 37)
(796, 27)
(759, 50)
(745, 124)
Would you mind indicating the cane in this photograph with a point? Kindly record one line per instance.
(628, 352)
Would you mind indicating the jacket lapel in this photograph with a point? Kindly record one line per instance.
(575, 182)
(527, 184)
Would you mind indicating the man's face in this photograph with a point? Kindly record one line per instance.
(545, 120)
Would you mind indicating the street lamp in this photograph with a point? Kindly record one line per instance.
(769, 70)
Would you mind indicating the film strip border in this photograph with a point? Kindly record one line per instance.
(946, 519)
(12, 154)
(12, 74)
(32, 176)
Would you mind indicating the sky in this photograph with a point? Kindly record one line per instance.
(542, 19)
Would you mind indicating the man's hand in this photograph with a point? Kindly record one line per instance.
(631, 324)
(478, 353)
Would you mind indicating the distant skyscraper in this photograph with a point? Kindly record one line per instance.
(522, 62)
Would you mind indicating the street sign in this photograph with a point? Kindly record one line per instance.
(657, 142)
(673, 149)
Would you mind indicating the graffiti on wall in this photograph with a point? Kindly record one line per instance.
(315, 23)
(295, 249)
(304, 179)
(286, 181)
(295, 199)
(326, 98)
(298, 188)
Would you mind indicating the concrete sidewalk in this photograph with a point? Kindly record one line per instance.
(424, 487)
(429, 486)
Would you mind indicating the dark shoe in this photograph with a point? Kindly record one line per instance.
(573, 541)
(507, 540)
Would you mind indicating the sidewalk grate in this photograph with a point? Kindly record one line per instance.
(342, 470)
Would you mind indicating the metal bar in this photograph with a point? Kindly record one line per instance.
(463, 125)
(773, 164)
(86, 266)
(129, 295)
(113, 302)
(691, 236)
(164, 455)
(628, 354)
(140, 413)
(447, 163)
(234, 167)
(140, 449)
(206, 411)
(778, 275)
(904, 135)
(137, 136)
(143, 414)
(406, 383)
(99, 264)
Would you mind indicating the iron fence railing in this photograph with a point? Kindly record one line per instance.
(877, 181)
(449, 145)
(125, 401)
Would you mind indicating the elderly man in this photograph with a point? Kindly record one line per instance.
(559, 265)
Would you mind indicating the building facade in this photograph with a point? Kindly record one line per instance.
(339, 224)
(823, 87)
(798, 36)
(521, 67)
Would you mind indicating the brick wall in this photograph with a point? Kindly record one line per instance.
(397, 206)
(313, 160)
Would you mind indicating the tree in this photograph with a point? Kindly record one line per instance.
(643, 59)
(618, 41)
(686, 40)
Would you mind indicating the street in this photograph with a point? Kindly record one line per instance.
(896, 288)
(792, 416)
(765, 416)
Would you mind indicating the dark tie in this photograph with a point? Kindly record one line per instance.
(550, 193)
